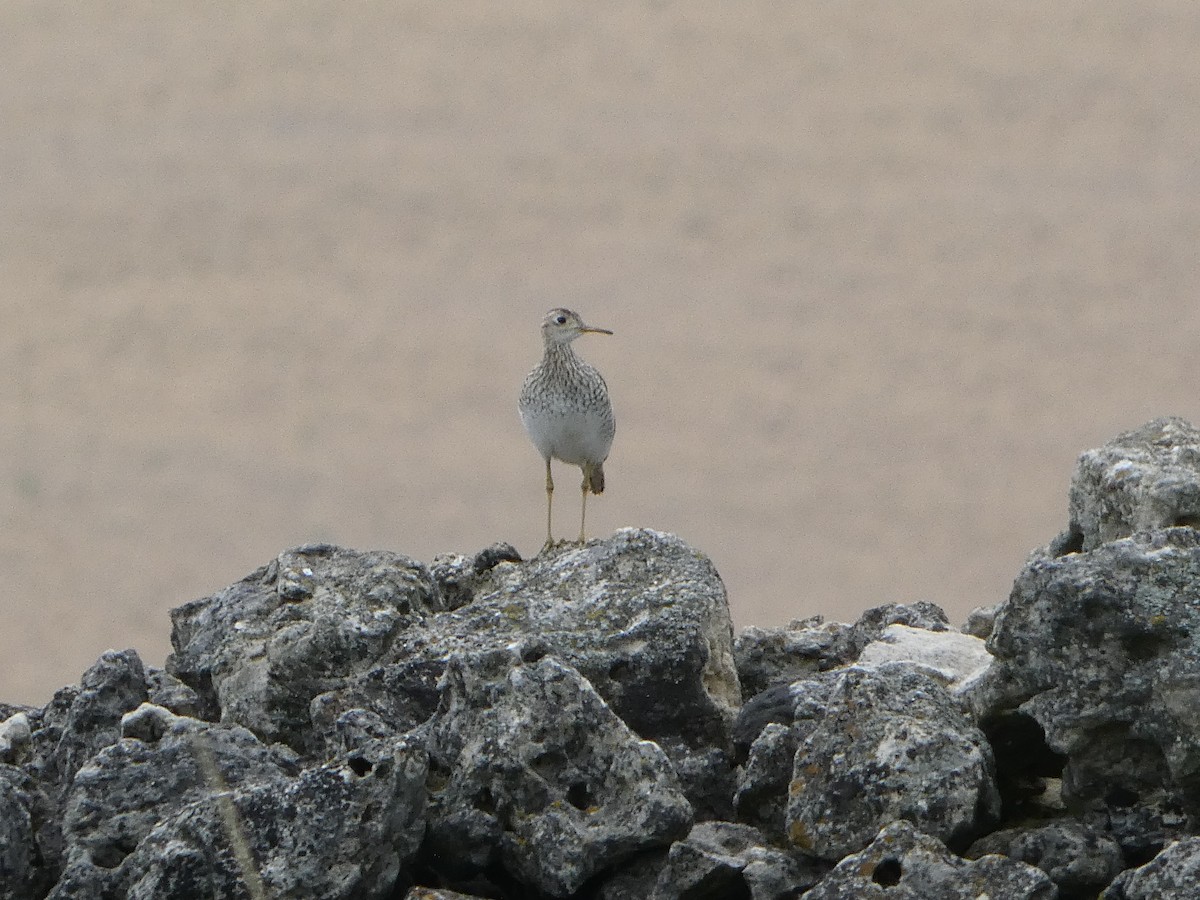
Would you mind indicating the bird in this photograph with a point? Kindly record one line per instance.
(566, 410)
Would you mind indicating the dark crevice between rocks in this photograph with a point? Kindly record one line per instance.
(720, 884)
(1186, 520)
(359, 766)
(1023, 762)
(1135, 859)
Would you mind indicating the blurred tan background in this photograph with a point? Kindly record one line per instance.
(878, 272)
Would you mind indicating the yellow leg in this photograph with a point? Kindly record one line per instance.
(549, 506)
(583, 507)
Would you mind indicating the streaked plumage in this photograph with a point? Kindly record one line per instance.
(566, 410)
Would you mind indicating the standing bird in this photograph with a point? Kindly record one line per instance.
(565, 408)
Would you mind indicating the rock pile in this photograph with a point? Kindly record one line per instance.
(342, 724)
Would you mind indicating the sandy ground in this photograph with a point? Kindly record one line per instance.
(878, 272)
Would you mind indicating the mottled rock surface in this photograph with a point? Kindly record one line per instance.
(903, 864)
(771, 657)
(885, 745)
(1102, 649)
(323, 630)
(534, 771)
(1143, 480)
(155, 814)
(1079, 859)
(1172, 875)
(345, 724)
(724, 859)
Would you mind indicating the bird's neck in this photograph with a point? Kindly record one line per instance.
(560, 355)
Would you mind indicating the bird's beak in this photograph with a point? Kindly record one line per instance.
(588, 329)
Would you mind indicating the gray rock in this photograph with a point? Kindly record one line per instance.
(885, 745)
(16, 738)
(22, 805)
(769, 657)
(82, 721)
(530, 768)
(77, 723)
(314, 618)
(323, 631)
(762, 783)
(165, 690)
(1102, 649)
(724, 859)
(1080, 859)
(1174, 874)
(981, 620)
(185, 808)
(459, 578)
(1143, 480)
(956, 660)
(632, 880)
(903, 864)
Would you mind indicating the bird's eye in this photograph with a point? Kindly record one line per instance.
(560, 320)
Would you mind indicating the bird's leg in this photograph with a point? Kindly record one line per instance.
(549, 506)
(583, 509)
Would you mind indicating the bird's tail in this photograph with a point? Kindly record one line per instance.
(593, 477)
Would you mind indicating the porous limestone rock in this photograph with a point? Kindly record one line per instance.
(762, 781)
(725, 859)
(1142, 480)
(1102, 649)
(179, 807)
(322, 631)
(1174, 874)
(884, 745)
(770, 657)
(531, 769)
(903, 864)
(22, 804)
(1079, 858)
(258, 652)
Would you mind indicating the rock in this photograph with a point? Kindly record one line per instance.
(769, 657)
(165, 690)
(903, 864)
(190, 809)
(85, 720)
(772, 726)
(770, 660)
(16, 738)
(1080, 859)
(1174, 874)
(1143, 480)
(459, 577)
(981, 620)
(632, 880)
(259, 652)
(954, 659)
(885, 745)
(531, 769)
(22, 805)
(323, 631)
(724, 859)
(1102, 650)
(762, 784)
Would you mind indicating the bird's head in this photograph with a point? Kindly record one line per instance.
(561, 326)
